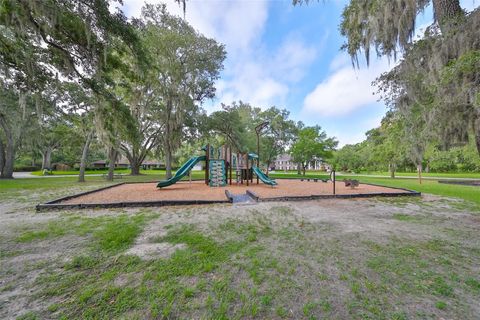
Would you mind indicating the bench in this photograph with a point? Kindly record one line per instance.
(351, 183)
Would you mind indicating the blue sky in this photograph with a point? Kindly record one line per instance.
(290, 57)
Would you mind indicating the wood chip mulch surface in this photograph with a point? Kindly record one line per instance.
(197, 190)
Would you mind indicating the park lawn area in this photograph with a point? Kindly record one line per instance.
(49, 187)
(472, 175)
(469, 193)
(312, 173)
(75, 172)
(386, 258)
(69, 184)
(119, 171)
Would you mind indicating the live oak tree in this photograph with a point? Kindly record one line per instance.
(311, 143)
(17, 112)
(64, 36)
(43, 43)
(185, 66)
(234, 126)
(442, 66)
(278, 135)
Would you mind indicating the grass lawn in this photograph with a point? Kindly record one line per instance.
(475, 175)
(469, 193)
(89, 172)
(398, 258)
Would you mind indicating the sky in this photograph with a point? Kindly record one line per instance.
(289, 57)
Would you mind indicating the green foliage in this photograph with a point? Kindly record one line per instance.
(388, 148)
(312, 143)
(384, 25)
(236, 125)
(164, 100)
(433, 91)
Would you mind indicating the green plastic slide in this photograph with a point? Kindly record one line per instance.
(263, 177)
(183, 171)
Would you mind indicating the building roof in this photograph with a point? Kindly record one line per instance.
(125, 161)
(152, 162)
(284, 157)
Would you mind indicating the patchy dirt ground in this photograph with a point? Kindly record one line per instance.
(386, 258)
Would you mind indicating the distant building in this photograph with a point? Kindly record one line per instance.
(123, 163)
(120, 163)
(150, 164)
(285, 162)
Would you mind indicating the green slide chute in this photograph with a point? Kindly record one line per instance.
(183, 171)
(263, 177)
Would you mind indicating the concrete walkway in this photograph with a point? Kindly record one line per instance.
(24, 175)
(387, 176)
(406, 177)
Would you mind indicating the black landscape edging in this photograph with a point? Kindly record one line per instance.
(56, 205)
(252, 195)
(84, 193)
(229, 196)
(396, 188)
(133, 204)
(339, 196)
(407, 193)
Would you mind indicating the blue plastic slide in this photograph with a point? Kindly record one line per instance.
(263, 177)
(183, 171)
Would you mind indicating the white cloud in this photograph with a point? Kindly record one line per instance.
(469, 5)
(262, 78)
(252, 72)
(235, 24)
(345, 90)
(345, 138)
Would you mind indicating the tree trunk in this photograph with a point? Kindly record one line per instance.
(268, 167)
(304, 169)
(112, 157)
(391, 167)
(168, 138)
(168, 163)
(47, 158)
(7, 172)
(83, 160)
(135, 168)
(447, 13)
(9, 151)
(419, 170)
(134, 159)
(476, 129)
(2, 157)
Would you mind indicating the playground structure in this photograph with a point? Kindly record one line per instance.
(220, 163)
(228, 179)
